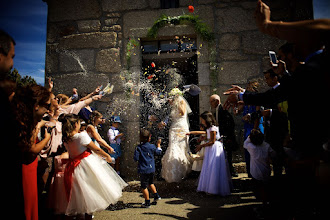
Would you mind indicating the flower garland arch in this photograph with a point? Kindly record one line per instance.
(200, 27)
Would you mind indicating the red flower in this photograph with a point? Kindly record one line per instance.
(153, 65)
(191, 8)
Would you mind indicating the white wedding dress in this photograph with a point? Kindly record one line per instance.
(176, 161)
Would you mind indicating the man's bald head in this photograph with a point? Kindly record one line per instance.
(214, 100)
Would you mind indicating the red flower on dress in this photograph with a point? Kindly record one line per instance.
(191, 8)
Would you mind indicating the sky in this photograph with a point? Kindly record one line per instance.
(26, 22)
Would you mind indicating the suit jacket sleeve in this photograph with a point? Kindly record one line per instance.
(271, 96)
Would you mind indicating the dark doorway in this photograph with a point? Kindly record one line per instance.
(186, 67)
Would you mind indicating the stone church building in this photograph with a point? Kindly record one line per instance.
(89, 44)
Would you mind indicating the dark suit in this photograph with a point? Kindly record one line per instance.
(276, 130)
(227, 129)
(308, 122)
(11, 164)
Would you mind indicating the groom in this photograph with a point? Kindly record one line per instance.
(226, 128)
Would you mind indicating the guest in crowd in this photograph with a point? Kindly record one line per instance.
(115, 138)
(144, 154)
(95, 119)
(31, 103)
(9, 131)
(226, 125)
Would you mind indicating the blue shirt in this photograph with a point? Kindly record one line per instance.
(144, 154)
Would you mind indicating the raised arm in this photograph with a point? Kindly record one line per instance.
(99, 151)
(196, 133)
(312, 30)
(96, 91)
(209, 143)
(99, 139)
(36, 148)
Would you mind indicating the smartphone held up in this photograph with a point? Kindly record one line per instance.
(273, 59)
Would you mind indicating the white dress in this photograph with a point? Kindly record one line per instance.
(175, 162)
(215, 177)
(95, 185)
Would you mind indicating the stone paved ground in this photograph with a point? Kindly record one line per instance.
(181, 201)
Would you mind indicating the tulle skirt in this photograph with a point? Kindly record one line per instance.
(95, 185)
(176, 161)
(57, 200)
(215, 176)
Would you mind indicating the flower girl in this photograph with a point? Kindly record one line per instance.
(90, 183)
(215, 177)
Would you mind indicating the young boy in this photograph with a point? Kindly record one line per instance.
(115, 138)
(144, 154)
(260, 157)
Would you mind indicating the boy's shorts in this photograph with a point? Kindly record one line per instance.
(146, 179)
(117, 149)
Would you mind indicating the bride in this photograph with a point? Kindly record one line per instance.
(175, 162)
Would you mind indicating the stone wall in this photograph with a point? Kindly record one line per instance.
(96, 33)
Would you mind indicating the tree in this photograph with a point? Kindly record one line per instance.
(21, 81)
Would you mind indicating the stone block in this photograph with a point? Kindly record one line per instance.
(51, 65)
(237, 72)
(108, 60)
(204, 97)
(154, 4)
(132, 135)
(226, 55)
(204, 74)
(235, 19)
(203, 50)
(111, 21)
(89, 25)
(206, 1)
(265, 64)
(123, 5)
(89, 40)
(63, 83)
(113, 15)
(229, 42)
(76, 60)
(63, 10)
(258, 43)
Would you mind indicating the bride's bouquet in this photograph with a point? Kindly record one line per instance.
(175, 92)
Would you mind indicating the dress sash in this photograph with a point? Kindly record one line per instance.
(71, 165)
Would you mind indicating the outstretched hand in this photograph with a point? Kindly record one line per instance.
(235, 89)
(96, 97)
(111, 150)
(97, 90)
(232, 101)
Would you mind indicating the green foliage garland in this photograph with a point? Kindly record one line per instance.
(200, 27)
(131, 45)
